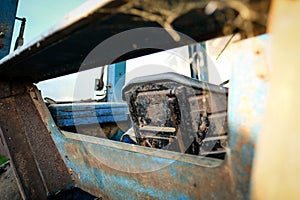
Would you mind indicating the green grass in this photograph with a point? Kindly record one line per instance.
(3, 159)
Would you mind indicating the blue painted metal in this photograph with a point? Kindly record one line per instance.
(88, 113)
(120, 173)
(8, 9)
(90, 120)
(247, 97)
(203, 67)
(115, 81)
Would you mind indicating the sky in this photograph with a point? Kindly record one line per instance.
(41, 15)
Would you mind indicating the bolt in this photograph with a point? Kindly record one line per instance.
(1, 36)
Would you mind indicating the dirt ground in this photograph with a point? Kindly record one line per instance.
(8, 186)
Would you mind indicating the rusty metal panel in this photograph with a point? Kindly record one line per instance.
(23, 161)
(9, 189)
(38, 165)
(95, 22)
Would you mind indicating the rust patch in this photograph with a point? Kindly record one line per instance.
(263, 73)
(244, 129)
(243, 139)
(260, 61)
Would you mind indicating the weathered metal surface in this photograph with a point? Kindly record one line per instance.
(9, 189)
(96, 21)
(142, 178)
(247, 98)
(8, 9)
(88, 113)
(39, 168)
(114, 170)
(105, 168)
(73, 121)
(110, 130)
(117, 171)
(189, 107)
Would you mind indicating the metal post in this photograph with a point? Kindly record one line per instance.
(198, 61)
(246, 106)
(39, 168)
(115, 81)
